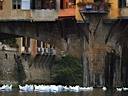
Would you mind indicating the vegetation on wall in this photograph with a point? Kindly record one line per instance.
(11, 42)
(68, 71)
(19, 73)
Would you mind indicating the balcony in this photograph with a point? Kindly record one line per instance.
(44, 10)
(94, 7)
(44, 15)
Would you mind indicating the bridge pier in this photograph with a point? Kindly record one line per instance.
(96, 69)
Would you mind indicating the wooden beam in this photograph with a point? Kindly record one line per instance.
(112, 29)
(83, 31)
(85, 22)
(115, 29)
(97, 25)
(60, 28)
(122, 37)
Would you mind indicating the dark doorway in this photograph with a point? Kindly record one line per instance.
(61, 4)
(124, 68)
(110, 62)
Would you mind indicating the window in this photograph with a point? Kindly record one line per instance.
(16, 4)
(72, 3)
(25, 5)
(1, 5)
(43, 4)
(123, 3)
(26, 42)
(38, 43)
(67, 4)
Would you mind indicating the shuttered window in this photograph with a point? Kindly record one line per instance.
(32, 4)
(28, 42)
(1, 5)
(23, 41)
(61, 4)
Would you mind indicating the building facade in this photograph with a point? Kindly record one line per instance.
(28, 10)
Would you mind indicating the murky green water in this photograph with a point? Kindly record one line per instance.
(95, 92)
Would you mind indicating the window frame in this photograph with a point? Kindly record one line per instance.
(17, 4)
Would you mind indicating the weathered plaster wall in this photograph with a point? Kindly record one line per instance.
(36, 15)
(72, 46)
(123, 11)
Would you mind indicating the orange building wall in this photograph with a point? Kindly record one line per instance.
(66, 11)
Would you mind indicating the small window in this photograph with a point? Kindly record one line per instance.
(1, 5)
(123, 3)
(19, 4)
(16, 4)
(66, 4)
(38, 43)
(43, 44)
(26, 42)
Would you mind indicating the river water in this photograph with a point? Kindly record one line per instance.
(95, 92)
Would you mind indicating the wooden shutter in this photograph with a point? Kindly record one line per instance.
(61, 4)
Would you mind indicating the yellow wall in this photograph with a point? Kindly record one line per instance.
(19, 42)
(113, 13)
(77, 14)
(113, 9)
(9, 13)
(33, 44)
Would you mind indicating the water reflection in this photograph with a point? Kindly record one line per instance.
(95, 92)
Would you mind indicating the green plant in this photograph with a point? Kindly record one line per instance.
(106, 4)
(68, 71)
(102, 5)
(81, 3)
(11, 42)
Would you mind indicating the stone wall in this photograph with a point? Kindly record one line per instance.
(7, 67)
